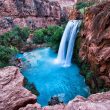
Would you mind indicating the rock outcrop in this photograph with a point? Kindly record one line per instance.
(95, 44)
(12, 93)
(32, 13)
(100, 101)
(13, 96)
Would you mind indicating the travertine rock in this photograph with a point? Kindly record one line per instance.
(95, 44)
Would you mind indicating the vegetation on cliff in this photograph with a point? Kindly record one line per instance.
(50, 35)
(14, 40)
(11, 42)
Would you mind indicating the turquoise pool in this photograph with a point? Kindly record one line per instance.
(52, 79)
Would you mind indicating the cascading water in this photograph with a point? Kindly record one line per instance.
(67, 42)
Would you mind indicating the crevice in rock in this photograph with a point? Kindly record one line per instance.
(24, 104)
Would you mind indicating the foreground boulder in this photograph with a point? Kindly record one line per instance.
(12, 93)
(95, 43)
(100, 101)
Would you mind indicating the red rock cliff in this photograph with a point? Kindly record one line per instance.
(95, 46)
(32, 13)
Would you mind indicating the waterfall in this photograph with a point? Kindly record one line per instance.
(67, 42)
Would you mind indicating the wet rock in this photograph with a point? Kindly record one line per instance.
(54, 101)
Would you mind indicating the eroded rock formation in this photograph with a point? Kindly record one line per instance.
(95, 44)
(12, 93)
(32, 13)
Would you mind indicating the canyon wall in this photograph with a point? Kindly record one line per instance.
(32, 13)
(95, 43)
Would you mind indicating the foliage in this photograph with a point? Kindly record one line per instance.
(50, 35)
(14, 37)
(5, 55)
(39, 35)
(105, 89)
(53, 37)
(11, 42)
(81, 5)
(23, 33)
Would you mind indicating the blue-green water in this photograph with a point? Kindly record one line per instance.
(52, 79)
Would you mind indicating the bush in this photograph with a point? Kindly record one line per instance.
(81, 5)
(39, 35)
(5, 55)
(11, 42)
(53, 37)
(50, 35)
(16, 37)
(23, 33)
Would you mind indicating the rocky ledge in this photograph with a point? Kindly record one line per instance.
(95, 44)
(100, 101)
(13, 96)
(12, 93)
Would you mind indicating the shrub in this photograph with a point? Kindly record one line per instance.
(50, 35)
(16, 37)
(11, 42)
(81, 5)
(23, 33)
(54, 36)
(5, 55)
(39, 35)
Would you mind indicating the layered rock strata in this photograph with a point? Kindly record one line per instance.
(32, 13)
